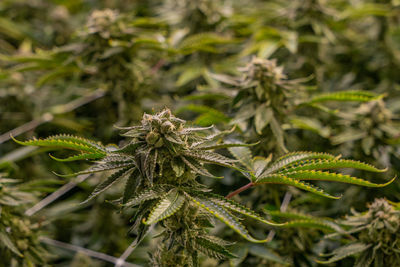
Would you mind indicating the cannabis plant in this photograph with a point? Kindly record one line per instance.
(376, 235)
(368, 130)
(104, 54)
(199, 40)
(296, 245)
(162, 159)
(265, 102)
(19, 243)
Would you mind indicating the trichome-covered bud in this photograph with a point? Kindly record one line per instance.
(264, 71)
(100, 21)
(167, 127)
(152, 138)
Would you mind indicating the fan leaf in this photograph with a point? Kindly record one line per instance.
(331, 164)
(234, 206)
(336, 177)
(211, 247)
(282, 179)
(223, 215)
(115, 177)
(166, 207)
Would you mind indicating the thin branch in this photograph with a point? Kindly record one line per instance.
(241, 189)
(49, 116)
(91, 253)
(17, 154)
(130, 249)
(55, 195)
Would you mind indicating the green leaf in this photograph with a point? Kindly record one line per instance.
(294, 157)
(196, 167)
(9, 244)
(234, 206)
(82, 156)
(150, 162)
(65, 141)
(243, 155)
(189, 74)
(209, 157)
(337, 177)
(262, 118)
(345, 251)
(167, 206)
(278, 133)
(309, 223)
(100, 168)
(131, 185)
(262, 252)
(358, 96)
(223, 215)
(213, 116)
(330, 164)
(282, 179)
(178, 167)
(130, 148)
(115, 177)
(225, 145)
(212, 247)
(148, 194)
(303, 220)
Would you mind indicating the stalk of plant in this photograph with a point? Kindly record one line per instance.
(161, 161)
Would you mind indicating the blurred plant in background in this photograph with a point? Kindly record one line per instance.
(19, 235)
(376, 233)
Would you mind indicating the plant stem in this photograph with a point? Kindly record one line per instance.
(241, 189)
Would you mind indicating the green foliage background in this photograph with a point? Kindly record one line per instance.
(284, 76)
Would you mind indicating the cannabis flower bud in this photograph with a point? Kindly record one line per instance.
(100, 22)
(264, 71)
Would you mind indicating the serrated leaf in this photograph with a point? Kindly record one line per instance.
(115, 177)
(224, 216)
(212, 137)
(64, 141)
(262, 118)
(358, 96)
(82, 156)
(196, 167)
(282, 179)
(100, 168)
(167, 206)
(234, 206)
(294, 157)
(152, 193)
(225, 145)
(131, 185)
(337, 177)
(211, 247)
(209, 157)
(278, 133)
(331, 164)
(303, 220)
(308, 223)
(243, 155)
(130, 148)
(151, 165)
(345, 251)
